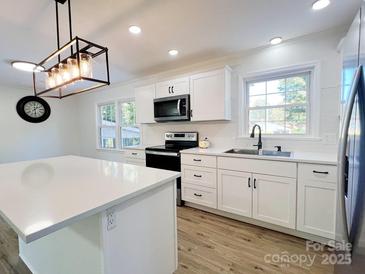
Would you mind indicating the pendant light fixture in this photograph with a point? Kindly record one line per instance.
(76, 67)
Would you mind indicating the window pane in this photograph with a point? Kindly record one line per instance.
(275, 114)
(275, 127)
(296, 83)
(128, 115)
(296, 128)
(257, 115)
(296, 97)
(130, 136)
(257, 88)
(276, 86)
(107, 137)
(258, 101)
(297, 113)
(107, 113)
(275, 99)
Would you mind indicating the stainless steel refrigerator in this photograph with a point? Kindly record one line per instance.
(350, 223)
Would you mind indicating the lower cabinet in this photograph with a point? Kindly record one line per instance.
(317, 193)
(270, 199)
(235, 192)
(199, 195)
(274, 200)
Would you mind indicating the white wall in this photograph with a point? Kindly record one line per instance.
(20, 140)
(320, 47)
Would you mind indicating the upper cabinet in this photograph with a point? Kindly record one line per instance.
(211, 95)
(173, 87)
(144, 104)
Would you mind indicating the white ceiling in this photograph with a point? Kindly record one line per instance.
(199, 29)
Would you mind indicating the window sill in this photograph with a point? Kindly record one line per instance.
(290, 138)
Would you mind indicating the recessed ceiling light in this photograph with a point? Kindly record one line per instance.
(27, 66)
(135, 29)
(320, 4)
(173, 52)
(276, 41)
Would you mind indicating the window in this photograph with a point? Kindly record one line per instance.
(107, 126)
(129, 131)
(279, 105)
(117, 125)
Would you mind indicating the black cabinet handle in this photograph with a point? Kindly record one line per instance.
(254, 183)
(249, 182)
(169, 90)
(197, 176)
(134, 153)
(172, 89)
(321, 172)
(197, 195)
(197, 160)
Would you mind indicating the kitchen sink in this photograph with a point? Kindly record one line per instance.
(262, 152)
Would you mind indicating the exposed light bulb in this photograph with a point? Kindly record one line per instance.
(50, 81)
(73, 68)
(64, 71)
(85, 65)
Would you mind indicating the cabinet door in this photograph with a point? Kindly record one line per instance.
(317, 200)
(144, 104)
(174, 87)
(274, 200)
(211, 95)
(235, 192)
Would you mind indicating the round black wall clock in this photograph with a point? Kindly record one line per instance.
(33, 109)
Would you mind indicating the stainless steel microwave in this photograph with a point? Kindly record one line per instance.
(174, 108)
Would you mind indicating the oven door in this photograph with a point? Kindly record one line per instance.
(168, 161)
(176, 108)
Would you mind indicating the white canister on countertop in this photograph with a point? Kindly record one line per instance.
(204, 143)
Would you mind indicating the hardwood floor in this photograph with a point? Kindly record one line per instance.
(208, 244)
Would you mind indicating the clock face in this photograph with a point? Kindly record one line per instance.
(33, 109)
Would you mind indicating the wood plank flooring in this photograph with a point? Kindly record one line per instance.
(208, 244)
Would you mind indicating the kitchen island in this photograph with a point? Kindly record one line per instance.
(79, 215)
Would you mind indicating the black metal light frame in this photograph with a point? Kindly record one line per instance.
(74, 43)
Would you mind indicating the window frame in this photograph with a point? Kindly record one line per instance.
(312, 105)
(118, 124)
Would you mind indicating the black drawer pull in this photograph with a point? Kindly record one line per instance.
(134, 153)
(198, 176)
(254, 183)
(249, 182)
(197, 195)
(321, 172)
(197, 160)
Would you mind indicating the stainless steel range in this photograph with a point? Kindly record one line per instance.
(168, 156)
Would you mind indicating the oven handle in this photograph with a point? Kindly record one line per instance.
(172, 154)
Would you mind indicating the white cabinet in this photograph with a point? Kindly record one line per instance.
(173, 87)
(317, 192)
(205, 196)
(135, 157)
(274, 200)
(144, 104)
(211, 95)
(235, 192)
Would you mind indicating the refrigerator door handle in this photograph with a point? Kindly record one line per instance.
(342, 151)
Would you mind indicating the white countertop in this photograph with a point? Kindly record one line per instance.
(42, 196)
(299, 157)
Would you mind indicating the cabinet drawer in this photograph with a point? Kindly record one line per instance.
(199, 160)
(199, 176)
(199, 195)
(135, 153)
(277, 168)
(322, 173)
(137, 162)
